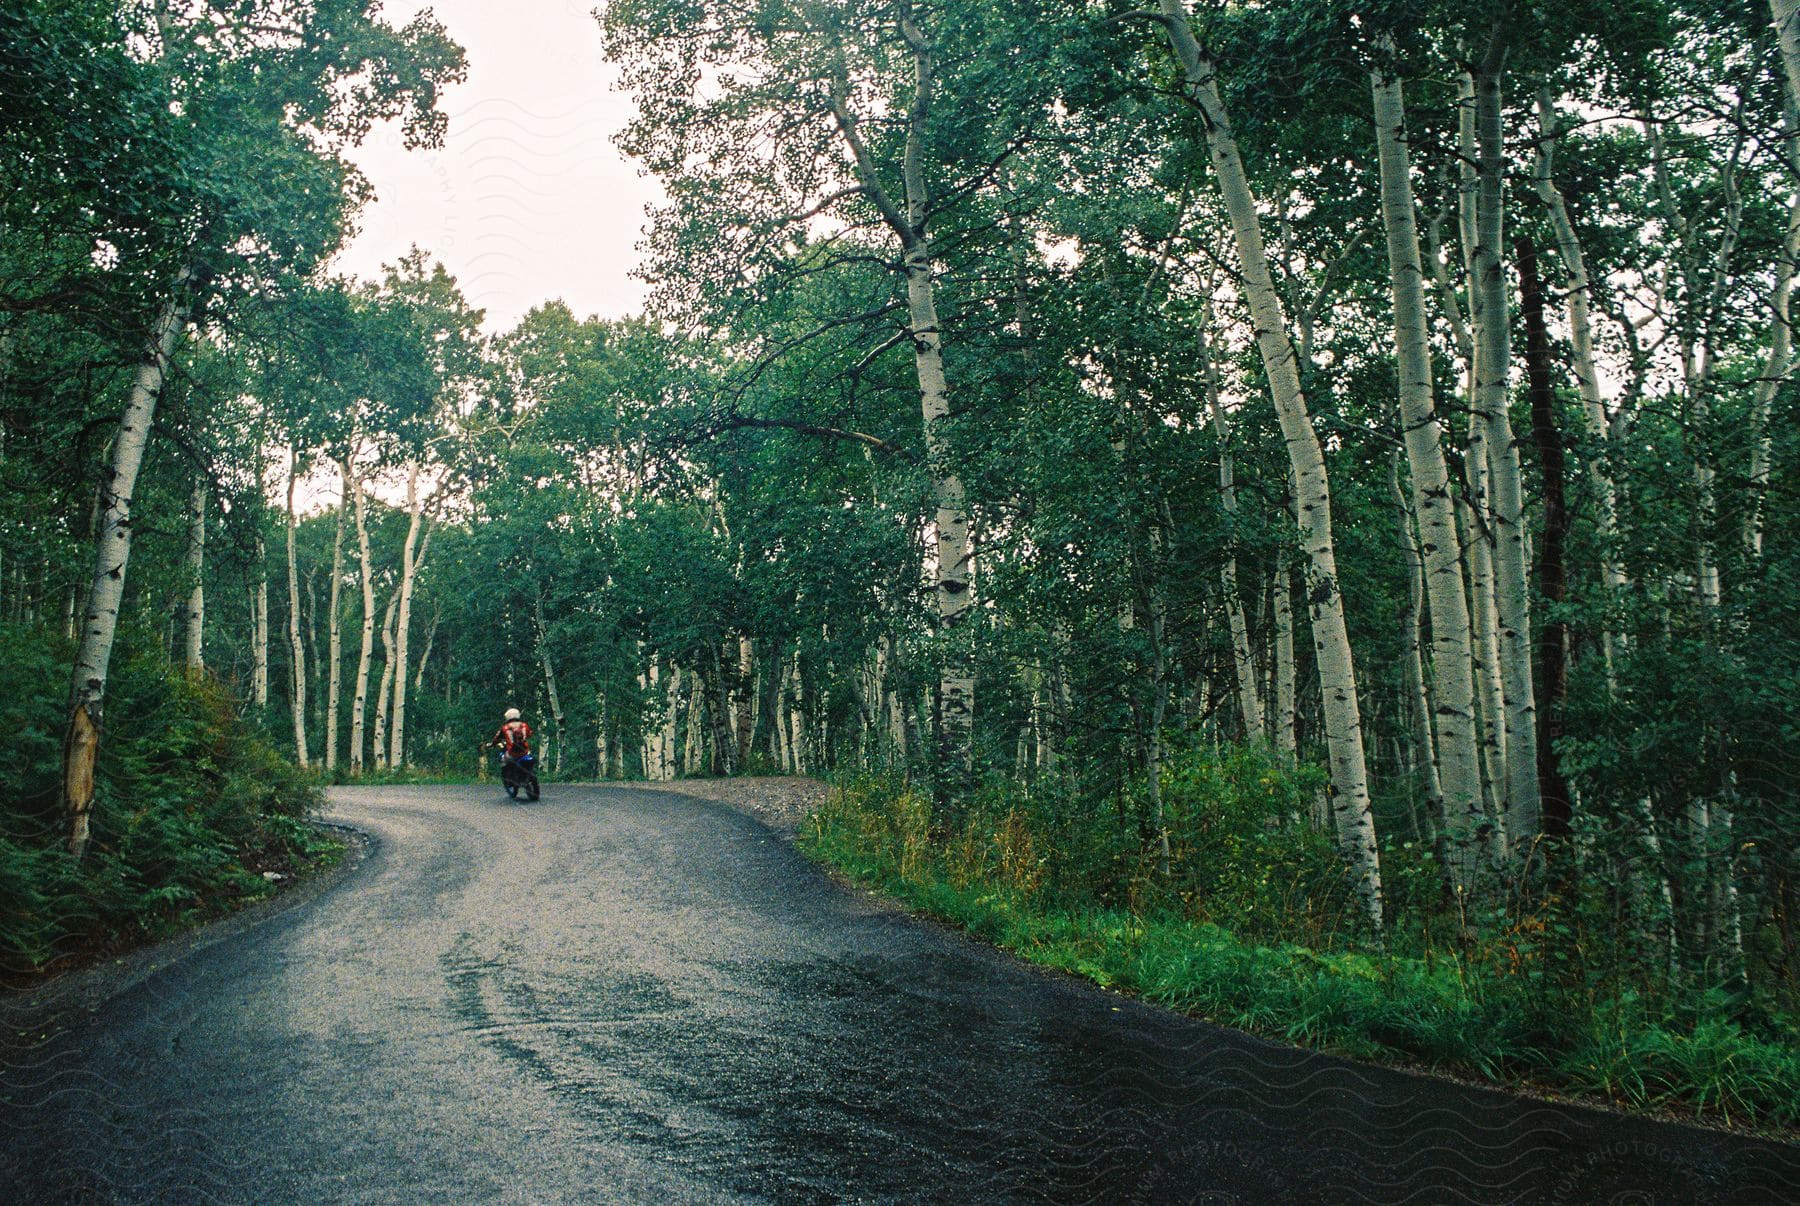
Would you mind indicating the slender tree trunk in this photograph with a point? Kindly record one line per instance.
(359, 698)
(1478, 543)
(384, 693)
(1552, 669)
(1159, 703)
(431, 631)
(647, 691)
(667, 749)
(296, 648)
(1244, 661)
(1779, 362)
(112, 554)
(196, 569)
(954, 576)
(1493, 358)
(314, 663)
(556, 712)
(716, 688)
(746, 700)
(259, 671)
(1283, 722)
(693, 696)
(1455, 752)
(798, 739)
(335, 641)
(1578, 292)
(1352, 812)
(1413, 668)
(409, 572)
(602, 763)
(784, 744)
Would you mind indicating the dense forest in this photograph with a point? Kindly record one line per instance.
(1323, 471)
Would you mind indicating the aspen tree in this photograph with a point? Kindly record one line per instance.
(906, 218)
(1413, 670)
(112, 555)
(1454, 756)
(1249, 701)
(359, 698)
(1493, 361)
(296, 647)
(1577, 294)
(259, 606)
(335, 641)
(384, 692)
(1352, 813)
(196, 568)
(1475, 530)
(543, 644)
(410, 557)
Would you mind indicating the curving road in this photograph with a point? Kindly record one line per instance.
(621, 995)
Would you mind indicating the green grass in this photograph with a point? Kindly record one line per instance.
(1455, 1011)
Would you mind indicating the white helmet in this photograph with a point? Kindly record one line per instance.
(512, 713)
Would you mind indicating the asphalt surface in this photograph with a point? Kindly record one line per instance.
(619, 995)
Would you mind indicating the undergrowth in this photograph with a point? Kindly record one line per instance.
(1250, 926)
(193, 807)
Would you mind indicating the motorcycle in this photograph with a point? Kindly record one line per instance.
(519, 775)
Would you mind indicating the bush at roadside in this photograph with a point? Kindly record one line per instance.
(193, 806)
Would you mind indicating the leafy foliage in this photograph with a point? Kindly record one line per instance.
(195, 805)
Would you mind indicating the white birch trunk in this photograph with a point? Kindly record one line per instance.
(359, 698)
(647, 690)
(1460, 867)
(744, 710)
(784, 744)
(334, 681)
(1578, 290)
(409, 573)
(602, 763)
(112, 554)
(1283, 722)
(556, 712)
(1249, 700)
(259, 647)
(196, 569)
(1455, 759)
(1779, 361)
(797, 720)
(384, 693)
(296, 647)
(431, 630)
(1493, 360)
(955, 597)
(692, 738)
(1351, 809)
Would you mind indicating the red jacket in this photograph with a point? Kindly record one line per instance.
(515, 738)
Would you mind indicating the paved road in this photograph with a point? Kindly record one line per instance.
(620, 995)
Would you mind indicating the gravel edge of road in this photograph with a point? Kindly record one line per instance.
(82, 988)
(780, 802)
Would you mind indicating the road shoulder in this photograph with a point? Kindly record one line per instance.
(36, 1013)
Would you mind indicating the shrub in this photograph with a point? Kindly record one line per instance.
(192, 805)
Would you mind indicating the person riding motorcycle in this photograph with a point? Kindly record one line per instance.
(513, 737)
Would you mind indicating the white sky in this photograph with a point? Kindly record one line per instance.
(528, 199)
